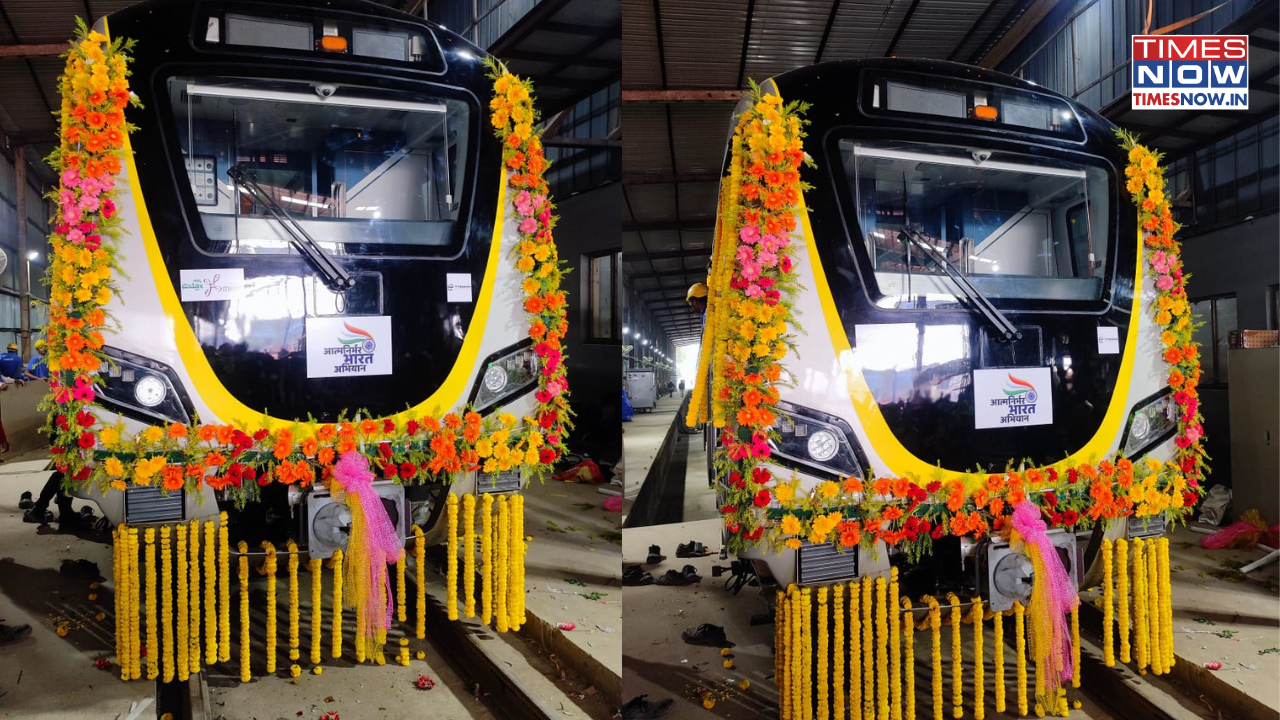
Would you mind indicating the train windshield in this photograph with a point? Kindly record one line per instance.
(1017, 227)
(361, 171)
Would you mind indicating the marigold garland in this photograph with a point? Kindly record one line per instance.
(1075, 646)
(401, 588)
(1122, 598)
(210, 593)
(908, 636)
(895, 649)
(184, 625)
(243, 574)
(1020, 647)
(998, 646)
(856, 668)
(292, 547)
(823, 648)
(1166, 605)
(1140, 631)
(269, 569)
(500, 582)
(166, 603)
(193, 584)
(837, 665)
(935, 627)
(798, 697)
(979, 687)
(882, 649)
(1153, 607)
(957, 668)
(420, 568)
(336, 562)
(868, 650)
(153, 644)
(224, 590)
(1108, 606)
(135, 607)
(806, 650)
(317, 621)
(451, 556)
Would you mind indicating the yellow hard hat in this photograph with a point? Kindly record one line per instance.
(697, 290)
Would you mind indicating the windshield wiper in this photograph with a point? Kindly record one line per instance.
(979, 301)
(334, 275)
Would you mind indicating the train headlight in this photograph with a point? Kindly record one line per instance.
(495, 379)
(823, 445)
(815, 442)
(1152, 422)
(143, 389)
(507, 373)
(149, 391)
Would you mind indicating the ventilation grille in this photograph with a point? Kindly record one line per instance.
(148, 505)
(823, 563)
(1145, 527)
(498, 483)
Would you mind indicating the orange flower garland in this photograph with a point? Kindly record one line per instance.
(238, 460)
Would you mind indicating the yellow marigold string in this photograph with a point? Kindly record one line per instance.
(336, 634)
(1140, 606)
(1122, 598)
(184, 597)
(317, 621)
(1166, 606)
(856, 670)
(979, 687)
(420, 568)
(797, 652)
(135, 607)
(469, 554)
(224, 590)
(121, 587)
(823, 649)
(401, 589)
(895, 649)
(243, 573)
(909, 662)
(780, 668)
(806, 651)
(1153, 607)
(500, 582)
(210, 593)
(153, 642)
(868, 651)
(451, 559)
(166, 603)
(1020, 633)
(882, 650)
(839, 654)
(517, 563)
(998, 660)
(935, 627)
(193, 577)
(293, 602)
(957, 668)
(269, 569)
(486, 559)
(1108, 603)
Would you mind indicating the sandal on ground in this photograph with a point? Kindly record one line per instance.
(655, 555)
(638, 708)
(25, 502)
(675, 577)
(691, 573)
(39, 517)
(692, 549)
(635, 575)
(706, 634)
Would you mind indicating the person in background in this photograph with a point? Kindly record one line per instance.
(36, 368)
(11, 364)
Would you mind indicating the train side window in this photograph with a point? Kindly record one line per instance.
(603, 294)
(1218, 318)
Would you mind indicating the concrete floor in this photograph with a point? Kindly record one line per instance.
(47, 677)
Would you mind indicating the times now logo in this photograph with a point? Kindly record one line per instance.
(1190, 72)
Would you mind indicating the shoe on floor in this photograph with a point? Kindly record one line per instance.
(641, 709)
(692, 549)
(81, 569)
(634, 575)
(678, 578)
(655, 555)
(37, 516)
(10, 634)
(25, 502)
(706, 634)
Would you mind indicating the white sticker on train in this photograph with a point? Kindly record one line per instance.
(459, 287)
(344, 346)
(210, 285)
(1011, 397)
(1108, 341)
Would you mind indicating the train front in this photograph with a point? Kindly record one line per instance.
(314, 232)
(969, 258)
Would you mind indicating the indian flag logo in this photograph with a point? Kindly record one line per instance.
(1017, 387)
(353, 335)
